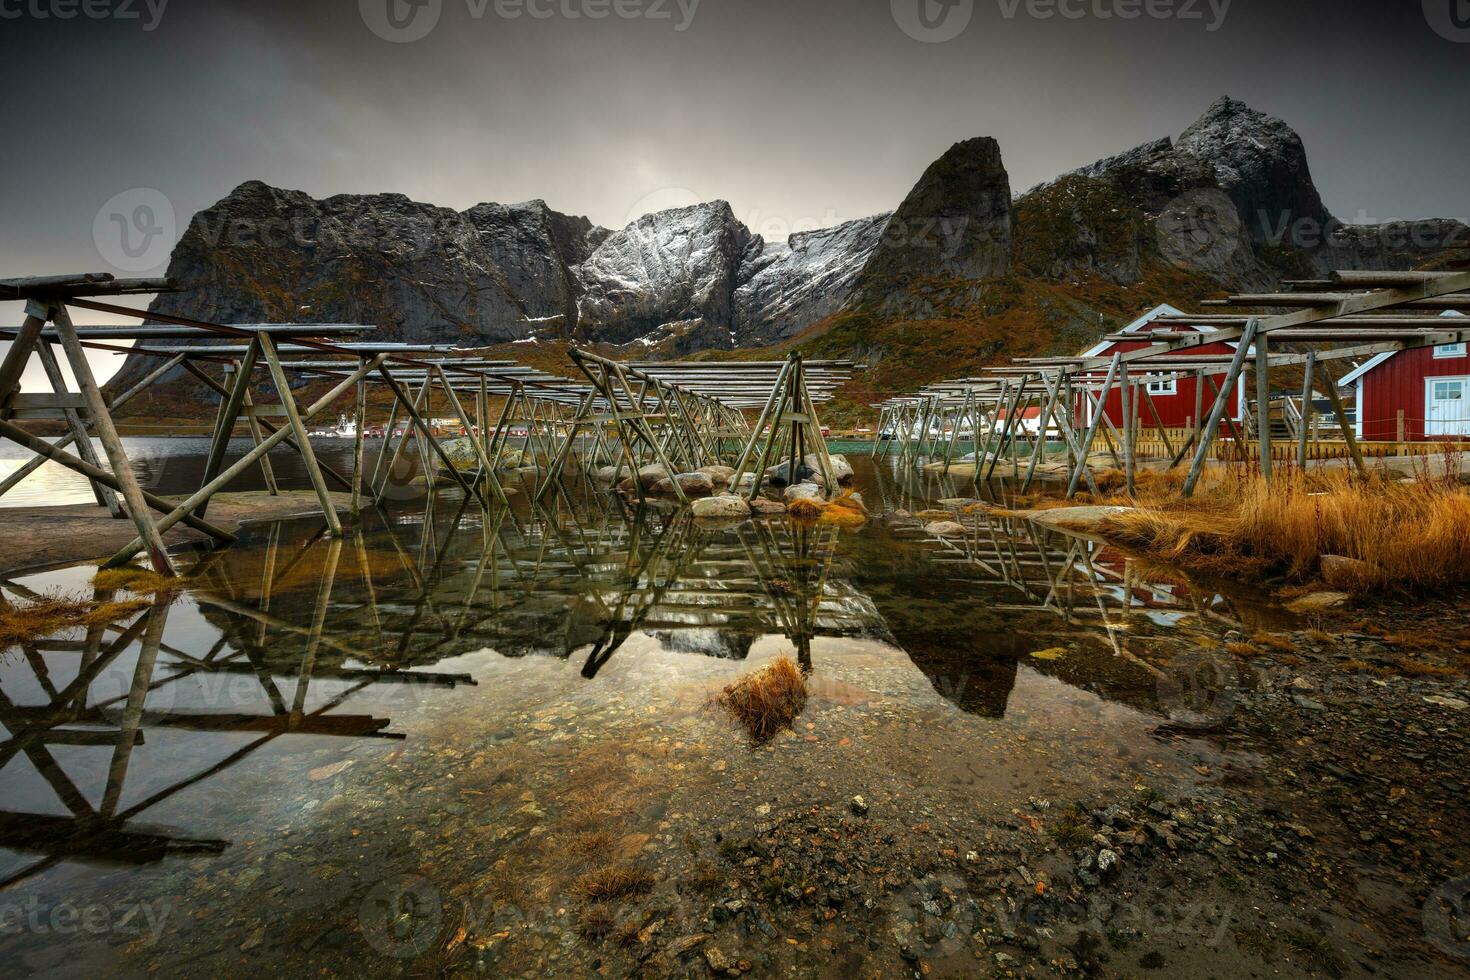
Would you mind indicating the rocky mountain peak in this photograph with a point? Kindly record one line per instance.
(679, 266)
(955, 224)
(1259, 161)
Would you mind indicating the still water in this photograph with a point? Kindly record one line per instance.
(458, 713)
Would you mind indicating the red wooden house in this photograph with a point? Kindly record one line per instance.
(1174, 399)
(1428, 386)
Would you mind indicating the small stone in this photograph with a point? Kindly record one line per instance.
(859, 806)
(716, 959)
(944, 529)
(725, 505)
(1107, 861)
(764, 810)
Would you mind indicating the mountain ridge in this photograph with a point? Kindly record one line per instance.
(1228, 204)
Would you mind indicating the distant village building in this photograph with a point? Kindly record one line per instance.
(1417, 394)
(1175, 399)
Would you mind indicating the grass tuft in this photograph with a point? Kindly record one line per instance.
(615, 882)
(805, 510)
(1316, 951)
(139, 581)
(1073, 827)
(43, 617)
(768, 699)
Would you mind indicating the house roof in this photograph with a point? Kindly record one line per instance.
(1139, 326)
(1352, 376)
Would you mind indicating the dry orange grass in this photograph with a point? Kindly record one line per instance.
(614, 882)
(805, 510)
(845, 510)
(768, 699)
(44, 617)
(139, 581)
(1410, 536)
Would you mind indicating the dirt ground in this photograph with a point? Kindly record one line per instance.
(35, 537)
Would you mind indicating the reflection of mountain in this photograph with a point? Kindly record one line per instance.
(725, 644)
(968, 609)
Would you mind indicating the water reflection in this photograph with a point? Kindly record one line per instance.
(281, 636)
(970, 608)
(274, 638)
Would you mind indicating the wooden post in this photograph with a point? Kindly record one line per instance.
(382, 476)
(1309, 412)
(359, 422)
(267, 428)
(36, 462)
(1053, 392)
(1154, 413)
(1008, 435)
(229, 410)
(426, 435)
(1125, 390)
(484, 460)
(46, 450)
(1342, 423)
(1263, 404)
(14, 364)
(1086, 448)
(766, 416)
(185, 511)
(1077, 468)
(293, 418)
(253, 423)
(122, 470)
(105, 497)
(1222, 397)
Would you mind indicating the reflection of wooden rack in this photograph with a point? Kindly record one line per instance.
(1060, 573)
(72, 718)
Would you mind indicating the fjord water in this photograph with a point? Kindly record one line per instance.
(367, 750)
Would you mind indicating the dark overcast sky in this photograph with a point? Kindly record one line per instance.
(798, 112)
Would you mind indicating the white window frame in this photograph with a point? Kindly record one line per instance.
(1443, 351)
(1170, 387)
